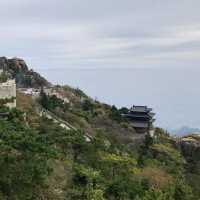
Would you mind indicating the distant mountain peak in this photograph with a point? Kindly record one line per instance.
(185, 130)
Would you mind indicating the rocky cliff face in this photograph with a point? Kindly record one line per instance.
(18, 69)
(190, 146)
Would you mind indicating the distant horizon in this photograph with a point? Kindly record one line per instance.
(62, 78)
(107, 86)
(141, 52)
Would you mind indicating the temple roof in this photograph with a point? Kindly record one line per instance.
(145, 115)
(135, 115)
(141, 109)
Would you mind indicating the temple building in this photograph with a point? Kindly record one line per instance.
(141, 118)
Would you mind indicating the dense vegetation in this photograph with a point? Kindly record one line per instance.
(88, 114)
(3, 77)
(48, 162)
(6, 100)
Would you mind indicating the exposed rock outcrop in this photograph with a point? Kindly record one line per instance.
(190, 146)
(18, 69)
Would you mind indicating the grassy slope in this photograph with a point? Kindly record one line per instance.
(94, 119)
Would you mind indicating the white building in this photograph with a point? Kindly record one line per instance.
(30, 91)
(8, 91)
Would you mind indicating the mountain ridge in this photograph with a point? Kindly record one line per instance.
(184, 131)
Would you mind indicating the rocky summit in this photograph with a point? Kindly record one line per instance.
(18, 69)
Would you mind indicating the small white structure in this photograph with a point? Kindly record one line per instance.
(30, 91)
(8, 91)
(152, 132)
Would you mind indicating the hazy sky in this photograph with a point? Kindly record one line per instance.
(156, 41)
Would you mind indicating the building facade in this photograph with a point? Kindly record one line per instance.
(8, 91)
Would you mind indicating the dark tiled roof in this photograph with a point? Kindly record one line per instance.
(137, 115)
(141, 109)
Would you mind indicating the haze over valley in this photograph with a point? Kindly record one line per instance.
(138, 52)
(172, 92)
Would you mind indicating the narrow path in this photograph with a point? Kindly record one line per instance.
(50, 115)
(61, 122)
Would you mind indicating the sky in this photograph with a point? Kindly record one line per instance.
(146, 51)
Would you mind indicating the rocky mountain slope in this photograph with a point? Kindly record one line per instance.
(190, 146)
(18, 69)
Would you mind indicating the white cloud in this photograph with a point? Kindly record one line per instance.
(110, 33)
